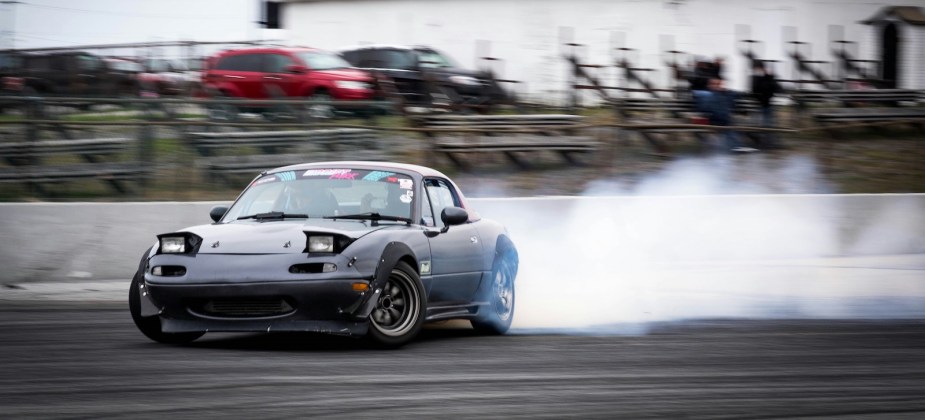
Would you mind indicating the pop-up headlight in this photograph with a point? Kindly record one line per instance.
(178, 243)
(325, 243)
(320, 244)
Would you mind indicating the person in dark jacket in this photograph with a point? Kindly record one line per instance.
(717, 104)
(764, 87)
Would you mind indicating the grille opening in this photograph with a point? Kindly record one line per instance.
(244, 308)
(312, 268)
(169, 270)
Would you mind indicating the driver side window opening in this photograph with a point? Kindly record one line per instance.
(441, 196)
(427, 211)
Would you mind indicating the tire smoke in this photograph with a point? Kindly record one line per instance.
(697, 242)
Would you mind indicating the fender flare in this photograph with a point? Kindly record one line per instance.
(391, 255)
(146, 306)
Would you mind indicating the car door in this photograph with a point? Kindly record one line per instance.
(456, 255)
(91, 73)
(279, 83)
(240, 74)
(252, 76)
(398, 64)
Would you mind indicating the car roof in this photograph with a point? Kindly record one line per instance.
(264, 49)
(386, 47)
(360, 164)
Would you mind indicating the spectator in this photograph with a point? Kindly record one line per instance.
(700, 76)
(717, 104)
(717, 67)
(764, 87)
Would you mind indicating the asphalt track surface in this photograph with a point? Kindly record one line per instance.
(72, 361)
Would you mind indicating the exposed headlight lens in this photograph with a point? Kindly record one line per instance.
(328, 268)
(178, 243)
(173, 245)
(350, 84)
(464, 80)
(320, 244)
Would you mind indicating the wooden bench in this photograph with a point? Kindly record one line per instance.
(674, 106)
(113, 173)
(868, 115)
(565, 146)
(271, 142)
(548, 123)
(487, 120)
(847, 97)
(91, 150)
(26, 162)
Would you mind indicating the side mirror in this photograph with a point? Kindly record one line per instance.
(295, 69)
(453, 216)
(217, 212)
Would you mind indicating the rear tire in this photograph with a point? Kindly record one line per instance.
(151, 326)
(399, 312)
(496, 318)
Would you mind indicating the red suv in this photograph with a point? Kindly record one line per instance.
(261, 73)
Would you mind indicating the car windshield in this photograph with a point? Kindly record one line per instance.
(433, 59)
(319, 60)
(326, 192)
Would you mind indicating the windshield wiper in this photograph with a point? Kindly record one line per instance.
(375, 217)
(273, 215)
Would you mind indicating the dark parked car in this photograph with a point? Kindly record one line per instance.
(425, 76)
(11, 81)
(73, 73)
(163, 77)
(349, 248)
(261, 73)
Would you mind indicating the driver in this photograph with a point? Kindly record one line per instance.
(310, 201)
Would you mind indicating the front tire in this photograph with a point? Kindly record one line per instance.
(151, 326)
(399, 312)
(321, 111)
(496, 317)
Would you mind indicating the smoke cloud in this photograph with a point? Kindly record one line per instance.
(699, 240)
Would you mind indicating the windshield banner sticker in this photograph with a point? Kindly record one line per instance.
(340, 174)
(345, 175)
(324, 172)
(377, 175)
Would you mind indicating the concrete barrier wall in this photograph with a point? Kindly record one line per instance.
(60, 241)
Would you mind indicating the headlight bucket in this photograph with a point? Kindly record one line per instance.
(178, 243)
(325, 243)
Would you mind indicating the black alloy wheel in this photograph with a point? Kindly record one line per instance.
(399, 311)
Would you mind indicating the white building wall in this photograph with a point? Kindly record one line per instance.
(913, 56)
(526, 34)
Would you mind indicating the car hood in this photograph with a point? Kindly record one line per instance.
(272, 237)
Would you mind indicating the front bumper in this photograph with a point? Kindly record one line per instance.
(342, 94)
(255, 293)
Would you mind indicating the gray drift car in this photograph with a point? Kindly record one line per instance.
(351, 248)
